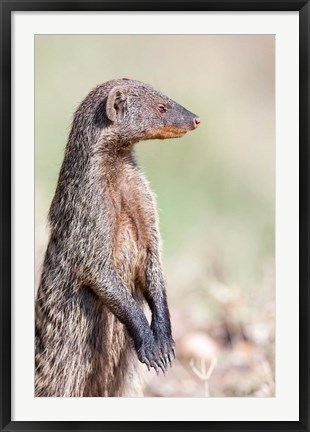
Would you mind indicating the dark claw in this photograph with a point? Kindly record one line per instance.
(154, 365)
(169, 358)
(162, 364)
(145, 360)
(162, 368)
(163, 360)
(173, 352)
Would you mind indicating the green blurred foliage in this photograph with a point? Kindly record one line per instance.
(215, 187)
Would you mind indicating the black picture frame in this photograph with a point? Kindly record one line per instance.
(7, 7)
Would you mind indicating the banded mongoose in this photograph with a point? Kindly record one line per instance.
(103, 260)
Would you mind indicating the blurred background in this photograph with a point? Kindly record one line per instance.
(215, 191)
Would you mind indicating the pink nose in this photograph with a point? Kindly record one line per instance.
(197, 121)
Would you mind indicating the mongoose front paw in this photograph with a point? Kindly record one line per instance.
(164, 343)
(149, 354)
(166, 348)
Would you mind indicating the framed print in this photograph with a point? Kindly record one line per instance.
(154, 217)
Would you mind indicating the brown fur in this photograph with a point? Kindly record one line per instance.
(103, 257)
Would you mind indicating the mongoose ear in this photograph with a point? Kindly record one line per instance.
(116, 102)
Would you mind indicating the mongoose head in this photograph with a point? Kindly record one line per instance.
(133, 111)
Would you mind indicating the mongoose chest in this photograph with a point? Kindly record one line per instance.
(134, 212)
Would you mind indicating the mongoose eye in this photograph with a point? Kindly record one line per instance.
(161, 108)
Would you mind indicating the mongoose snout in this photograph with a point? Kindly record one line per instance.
(197, 121)
(102, 264)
